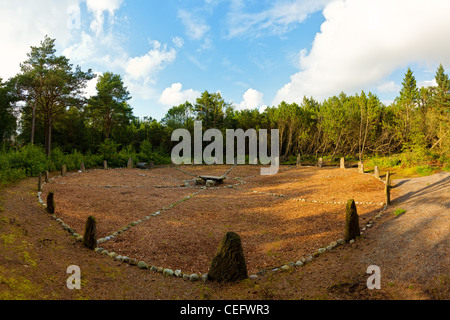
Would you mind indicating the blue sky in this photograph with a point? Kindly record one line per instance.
(256, 53)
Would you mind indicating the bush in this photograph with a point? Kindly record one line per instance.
(30, 158)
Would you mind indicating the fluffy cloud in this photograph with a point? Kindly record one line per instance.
(25, 23)
(98, 9)
(363, 41)
(174, 95)
(251, 99)
(151, 63)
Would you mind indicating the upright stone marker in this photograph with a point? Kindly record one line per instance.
(63, 170)
(299, 163)
(351, 222)
(342, 163)
(105, 164)
(90, 233)
(40, 182)
(387, 188)
(360, 167)
(82, 167)
(51, 203)
(229, 264)
(320, 164)
(130, 163)
(376, 172)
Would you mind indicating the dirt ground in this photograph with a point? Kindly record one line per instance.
(410, 249)
(274, 230)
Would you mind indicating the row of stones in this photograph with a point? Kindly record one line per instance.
(306, 200)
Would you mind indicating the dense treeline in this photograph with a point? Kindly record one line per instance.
(44, 114)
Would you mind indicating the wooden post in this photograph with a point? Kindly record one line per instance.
(47, 176)
(388, 188)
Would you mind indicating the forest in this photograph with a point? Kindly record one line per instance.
(45, 122)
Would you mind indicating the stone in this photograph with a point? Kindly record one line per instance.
(299, 163)
(90, 233)
(351, 222)
(194, 277)
(130, 163)
(113, 254)
(133, 262)
(228, 264)
(253, 277)
(285, 267)
(200, 181)
(210, 183)
(63, 170)
(178, 273)
(342, 163)
(51, 203)
(205, 277)
(320, 163)
(40, 182)
(340, 241)
(82, 167)
(387, 188)
(376, 172)
(360, 167)
(299, 264)
(125, 259)
(80, 239)
(105, 164)
(186, 277)
(308, 258)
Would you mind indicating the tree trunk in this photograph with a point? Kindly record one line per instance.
(33, 121)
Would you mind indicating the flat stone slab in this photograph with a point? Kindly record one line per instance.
(215, 179)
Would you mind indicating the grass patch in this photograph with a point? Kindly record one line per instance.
(399, 212)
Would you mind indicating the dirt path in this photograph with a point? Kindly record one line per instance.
(411, 251)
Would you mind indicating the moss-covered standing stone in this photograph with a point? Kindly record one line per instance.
(51, 203)
(130, 163)
(229, 264)
(90, 233)
(351, 222)
(387, 188)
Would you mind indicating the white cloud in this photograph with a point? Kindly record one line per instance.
(427, 83)
(148, 65)
(280, 18)
(362, 42)
(25, 23)
(389, 86)
(196, 28)
(251, 99)
(174, 95)
(98, 9)
(178, 42)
